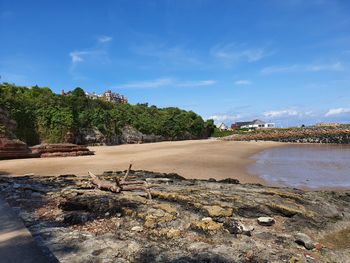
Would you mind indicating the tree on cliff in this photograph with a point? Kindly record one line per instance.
(44, 116)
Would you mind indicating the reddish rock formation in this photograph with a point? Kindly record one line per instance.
(60, 150)
(10, 147)
(13, 149)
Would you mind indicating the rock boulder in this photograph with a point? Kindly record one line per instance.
(60, 150)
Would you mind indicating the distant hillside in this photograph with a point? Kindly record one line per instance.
(43, 116)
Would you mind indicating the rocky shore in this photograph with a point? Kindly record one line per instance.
(331, 134)
(186, 220)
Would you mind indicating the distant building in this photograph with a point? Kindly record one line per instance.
(65, 93)
(114, 97)
(106, 96)
(222, 127)
(92, 95)
(255, 124)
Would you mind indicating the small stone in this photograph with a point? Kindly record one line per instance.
(247, 230)
(266, 221)
(207, 219)
(137, 228)
(304, 240)
(235, 227)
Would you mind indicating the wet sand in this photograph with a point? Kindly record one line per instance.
(201, 159)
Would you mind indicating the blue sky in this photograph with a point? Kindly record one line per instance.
(285, 61)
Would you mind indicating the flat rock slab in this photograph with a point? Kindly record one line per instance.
(266, 221)
(16, 243)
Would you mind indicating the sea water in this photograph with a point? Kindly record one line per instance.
(304, 166)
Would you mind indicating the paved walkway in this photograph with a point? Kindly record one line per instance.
(16, 243)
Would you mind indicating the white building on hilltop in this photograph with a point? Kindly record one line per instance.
(255, 124)
(222, 127)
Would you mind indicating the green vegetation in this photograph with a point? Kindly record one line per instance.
(43, 116)
(218, 133)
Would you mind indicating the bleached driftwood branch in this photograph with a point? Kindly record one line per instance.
(120, 185)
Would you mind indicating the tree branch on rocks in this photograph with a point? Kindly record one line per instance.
(120, 185)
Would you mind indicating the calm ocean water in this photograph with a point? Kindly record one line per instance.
(304, 166)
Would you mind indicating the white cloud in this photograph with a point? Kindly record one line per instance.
(218, 118)
(163, 82)
(198, 83)
(337, 66)
(84, 55)
(281, 113)
(243, 82)
(77, 56)
(104, 39)
(279, 69)
(97, 53)
(165, 54)
(157, 83)
(326, 67)
(337, 111)
(234, 52)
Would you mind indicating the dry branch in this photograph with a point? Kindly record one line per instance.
(120, 185)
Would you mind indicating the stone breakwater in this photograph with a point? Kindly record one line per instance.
(186, 221)
(334, 135)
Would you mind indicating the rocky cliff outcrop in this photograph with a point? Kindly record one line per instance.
(128, 135)
(335, 135)
(10, 147)
(7, 125)
(14, 149)
(60, 150)
(132, 135)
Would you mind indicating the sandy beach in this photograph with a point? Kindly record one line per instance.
(201, 159)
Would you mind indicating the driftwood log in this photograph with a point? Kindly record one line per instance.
(120, 184)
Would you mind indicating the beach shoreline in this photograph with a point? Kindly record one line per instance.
(199, 159)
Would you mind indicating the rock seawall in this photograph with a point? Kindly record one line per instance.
(333, 135)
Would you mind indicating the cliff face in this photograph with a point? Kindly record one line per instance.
(7, 125)
(129, 135)
(335, 135)
(10, 147)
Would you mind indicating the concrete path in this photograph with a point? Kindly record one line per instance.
(16, 243)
